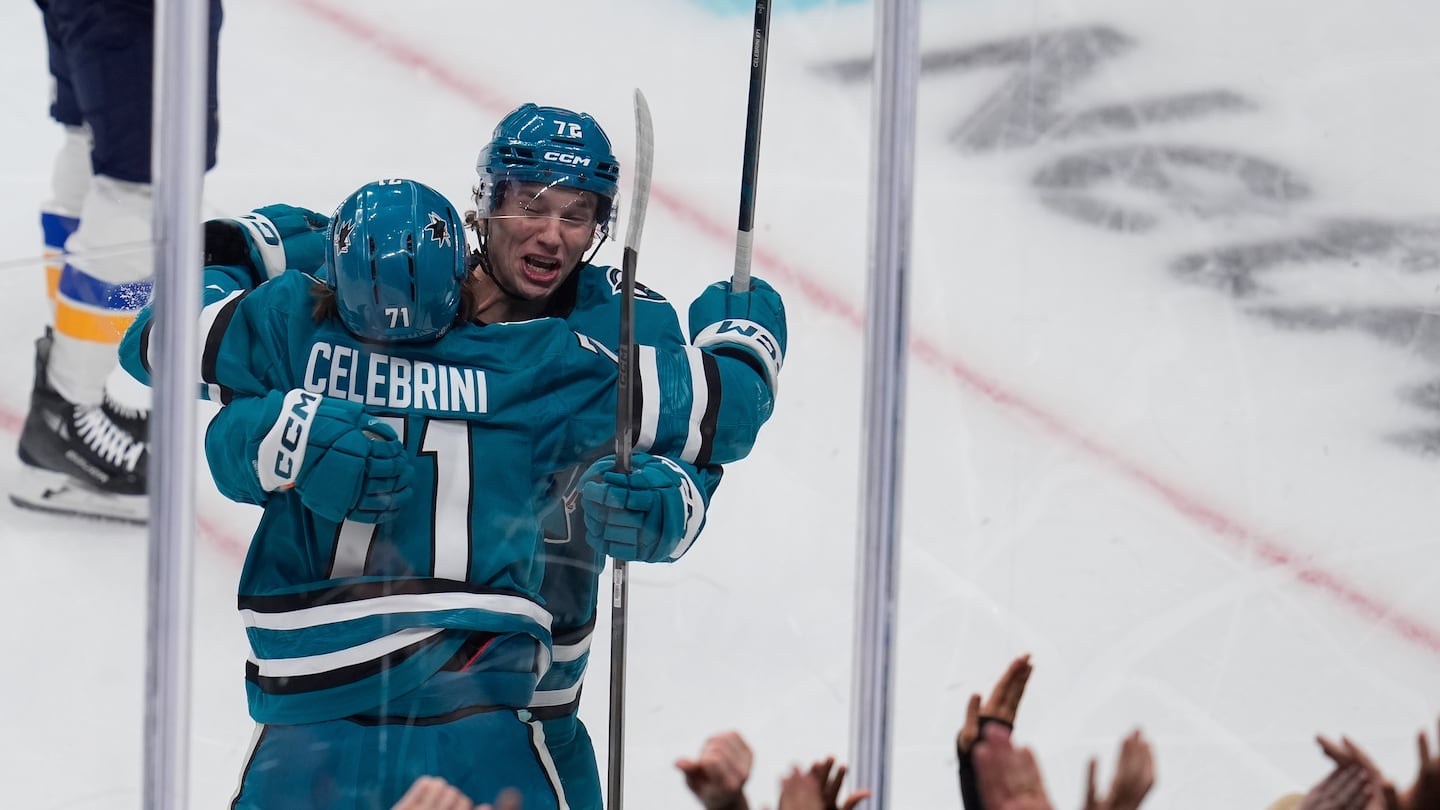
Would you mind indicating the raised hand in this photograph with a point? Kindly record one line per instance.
(1009, 778)
(1425, 793)
(717, 777)
(433, 793)
(1379, 792)
(1134, 776)
(801, 791)
(998, 712)
(1347, 787)
(830, 786)
(752, 321)
(1002, 705)
(509, 800)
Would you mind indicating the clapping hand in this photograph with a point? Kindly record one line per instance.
(1002, 705)
(717, 777)
(1134, 776)
(1009, 778)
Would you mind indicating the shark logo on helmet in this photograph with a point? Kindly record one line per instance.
(438, 229)
(342, 236)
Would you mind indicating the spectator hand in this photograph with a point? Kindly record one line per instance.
(509, 799)
(434, 793)
(1002, 705)
(1346, 753)
(1424, 794)
(830, 787)
(1347, 787)
(717, 777)
(1009, 778)
(1134, 776)
(801, 791)
(998, 712)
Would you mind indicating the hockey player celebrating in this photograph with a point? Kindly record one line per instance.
(540, 148)
(422, 634)
(545, 200)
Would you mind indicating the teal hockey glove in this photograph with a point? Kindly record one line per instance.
(268, 241)
(342, 462)
(652, 514)
(752, 323)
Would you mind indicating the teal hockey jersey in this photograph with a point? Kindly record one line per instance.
(343, 617)
(572, 566)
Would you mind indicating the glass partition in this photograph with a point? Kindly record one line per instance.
(1171, 415)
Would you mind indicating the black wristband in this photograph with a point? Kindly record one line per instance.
(986, 720)
(969, 785)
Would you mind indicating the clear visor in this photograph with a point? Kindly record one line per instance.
(573, 208)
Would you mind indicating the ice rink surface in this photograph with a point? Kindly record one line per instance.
(1173, 404)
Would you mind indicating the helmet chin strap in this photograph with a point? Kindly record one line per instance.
(604, 234)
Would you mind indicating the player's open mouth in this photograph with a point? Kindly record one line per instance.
(541, 270)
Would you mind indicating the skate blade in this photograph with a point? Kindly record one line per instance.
(58, 494)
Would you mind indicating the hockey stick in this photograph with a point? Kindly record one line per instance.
(750, 171)
(624, 418)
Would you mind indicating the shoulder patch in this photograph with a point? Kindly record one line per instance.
(642, 293)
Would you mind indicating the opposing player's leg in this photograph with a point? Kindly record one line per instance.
(82, 459)
(85, 440)
(71, 173)
(97, 225)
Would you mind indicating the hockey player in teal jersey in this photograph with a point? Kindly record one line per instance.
(336, 633)
(664, 500)
(589, 300)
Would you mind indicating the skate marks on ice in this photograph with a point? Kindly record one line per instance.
(1293, 271)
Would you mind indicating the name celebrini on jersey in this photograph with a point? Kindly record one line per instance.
(386, 381)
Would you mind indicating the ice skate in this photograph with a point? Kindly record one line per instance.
(84, 460)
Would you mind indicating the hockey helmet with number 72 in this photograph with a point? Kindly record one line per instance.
(551, 146)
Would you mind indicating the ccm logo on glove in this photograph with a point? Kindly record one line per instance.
(288, 439)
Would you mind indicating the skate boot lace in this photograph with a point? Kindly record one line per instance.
(109, 441)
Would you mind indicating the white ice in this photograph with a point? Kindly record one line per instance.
(1194, 519)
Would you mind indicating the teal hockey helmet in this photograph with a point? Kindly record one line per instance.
(552, 146)
(396, 261)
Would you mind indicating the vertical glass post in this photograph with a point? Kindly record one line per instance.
(886, 338)
(182, 44)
